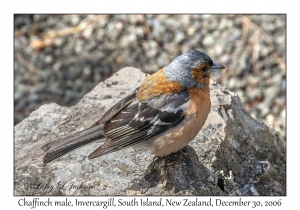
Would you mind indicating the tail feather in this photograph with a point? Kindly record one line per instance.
(62, 146)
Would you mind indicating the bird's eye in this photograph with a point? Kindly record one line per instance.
(204, 69)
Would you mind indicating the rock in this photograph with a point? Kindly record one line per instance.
(232, 155)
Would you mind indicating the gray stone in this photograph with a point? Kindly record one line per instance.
(232, 155)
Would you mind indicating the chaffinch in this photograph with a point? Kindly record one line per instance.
(162, 115)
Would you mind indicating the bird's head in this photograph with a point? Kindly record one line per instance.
(192, 68)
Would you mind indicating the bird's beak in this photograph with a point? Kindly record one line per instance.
(216, 67)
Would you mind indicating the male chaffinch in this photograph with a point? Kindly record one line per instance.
(163, 115)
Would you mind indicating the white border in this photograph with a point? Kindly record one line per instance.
(154, 6)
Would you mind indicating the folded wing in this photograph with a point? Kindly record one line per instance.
(64, 145)
(141, 121)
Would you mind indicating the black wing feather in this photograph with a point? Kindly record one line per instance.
(64, 145)
(141, 121)
(117, 108)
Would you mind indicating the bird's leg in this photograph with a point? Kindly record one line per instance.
(173, 159)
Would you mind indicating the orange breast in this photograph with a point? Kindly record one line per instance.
(157, 84)
(199, 100)
(196, 115)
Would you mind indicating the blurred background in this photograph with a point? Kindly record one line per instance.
(60, 58)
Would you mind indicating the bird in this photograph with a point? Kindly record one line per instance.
(161, 116)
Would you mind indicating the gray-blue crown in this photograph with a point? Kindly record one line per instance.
(180, 68)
